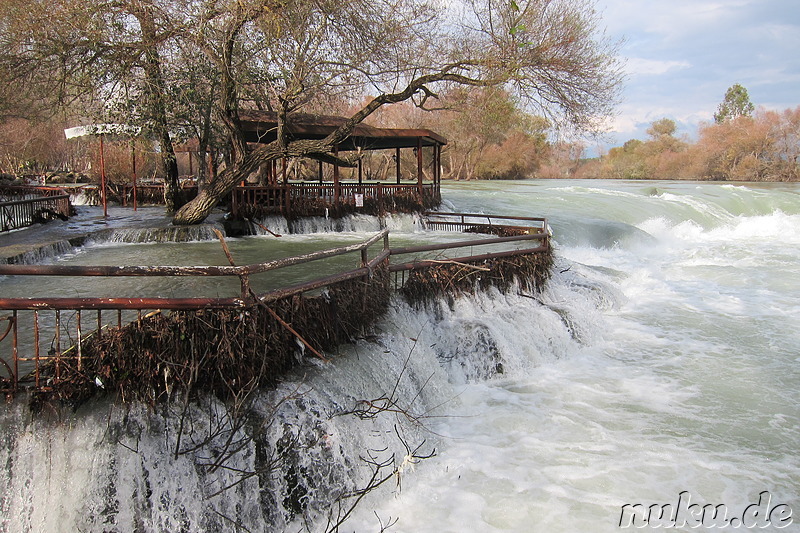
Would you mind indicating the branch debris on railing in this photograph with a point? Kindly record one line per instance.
(223, 344)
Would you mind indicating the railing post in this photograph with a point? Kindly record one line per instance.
(36, 345)
(15, 349)
(80, 338)
(58, 345)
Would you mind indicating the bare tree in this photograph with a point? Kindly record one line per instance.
(548, 52)
(288, 55)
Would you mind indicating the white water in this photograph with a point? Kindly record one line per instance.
(662, 357)
(685, 378)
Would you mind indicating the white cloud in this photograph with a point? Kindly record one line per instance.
(684, 54)
(641, 66)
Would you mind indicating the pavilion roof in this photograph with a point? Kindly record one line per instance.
(261, 127)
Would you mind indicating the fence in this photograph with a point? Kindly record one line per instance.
(18, 214)
(46, 332)
(480, 223)
(308, 199)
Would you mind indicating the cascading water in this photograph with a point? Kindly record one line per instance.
(659, 363)
(350, 224)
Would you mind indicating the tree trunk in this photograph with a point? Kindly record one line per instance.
(198, 209)
(143, 11)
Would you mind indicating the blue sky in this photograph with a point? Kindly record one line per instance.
(682, 55)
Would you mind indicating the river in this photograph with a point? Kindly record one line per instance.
(660, 366)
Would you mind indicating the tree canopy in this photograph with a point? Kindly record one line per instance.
(735, 104)
(189, 65)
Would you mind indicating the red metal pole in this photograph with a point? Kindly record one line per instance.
(103, 177)
(133, 157)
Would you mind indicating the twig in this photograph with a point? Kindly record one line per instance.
(225, 248)
(466, 265)
(264, 228)
(292, 330)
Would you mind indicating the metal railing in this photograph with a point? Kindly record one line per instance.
(18, 214)
(24, 192)
(49, 330)
(283, 199)
(480, 223)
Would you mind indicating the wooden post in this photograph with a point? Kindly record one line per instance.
(360, 176)
(235, 201)
(438, 172)
(320, 174)
(397, 164)
(419, 167)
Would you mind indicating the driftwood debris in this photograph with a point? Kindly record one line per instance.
(225, 351)
(449, 278)
(218, 351)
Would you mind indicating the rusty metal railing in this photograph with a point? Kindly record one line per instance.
(17, 214)
(47, 330)
(480, 223)
(37, 331)
(283, 199)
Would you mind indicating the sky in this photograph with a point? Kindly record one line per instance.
(682, 55)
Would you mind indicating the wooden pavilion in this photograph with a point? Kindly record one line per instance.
(276, 192)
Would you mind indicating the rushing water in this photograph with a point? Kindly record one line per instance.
(660, 364)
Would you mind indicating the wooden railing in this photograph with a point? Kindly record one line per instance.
(18, 214)
(41, 331)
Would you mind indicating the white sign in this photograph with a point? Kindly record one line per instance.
(102, 129)
(359, 200)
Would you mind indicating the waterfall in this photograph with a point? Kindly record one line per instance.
(41, 254)
(285, 459)
(203, 232)
(349, 224)
(660, 359)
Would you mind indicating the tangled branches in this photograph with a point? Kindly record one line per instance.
(224, 352)
(449, 278)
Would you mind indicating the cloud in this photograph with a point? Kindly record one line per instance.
(682, 55)
(642, 66)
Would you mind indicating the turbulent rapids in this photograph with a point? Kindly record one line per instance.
(660, 359)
